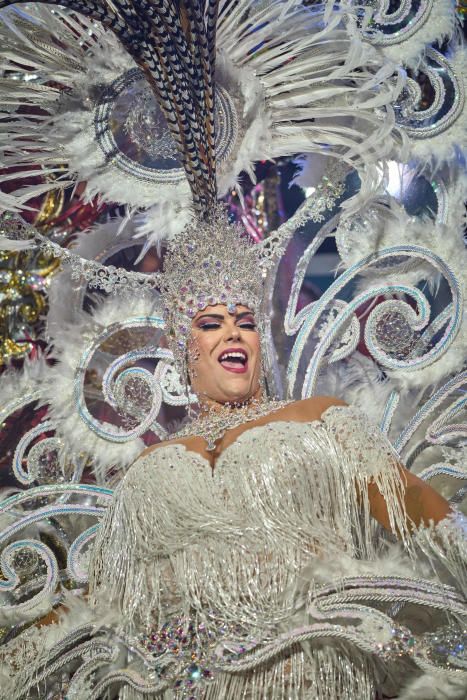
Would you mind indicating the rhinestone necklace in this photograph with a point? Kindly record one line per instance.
(212, 426)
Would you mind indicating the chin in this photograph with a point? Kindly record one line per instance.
(237, 393)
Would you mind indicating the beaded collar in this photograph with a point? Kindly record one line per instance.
(213, 425)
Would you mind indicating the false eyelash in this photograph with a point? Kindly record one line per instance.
(209, 326)
(250, 325)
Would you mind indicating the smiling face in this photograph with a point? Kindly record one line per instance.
(225, 364)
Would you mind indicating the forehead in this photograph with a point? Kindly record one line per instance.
(221, 310)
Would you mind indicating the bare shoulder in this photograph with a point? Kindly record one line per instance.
(310, 409)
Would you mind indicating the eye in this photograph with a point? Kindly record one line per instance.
(209, 326)
(249, 325)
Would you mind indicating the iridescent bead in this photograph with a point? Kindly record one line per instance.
(195, 672)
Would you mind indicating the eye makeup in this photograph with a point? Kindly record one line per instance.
(214, 321)
(249, 323)
(209, 321)
(208, 325)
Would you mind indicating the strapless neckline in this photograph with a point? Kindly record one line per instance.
(238, 443)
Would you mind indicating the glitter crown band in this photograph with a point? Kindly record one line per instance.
(211, 262)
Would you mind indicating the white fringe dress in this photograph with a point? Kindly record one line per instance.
(265, 579)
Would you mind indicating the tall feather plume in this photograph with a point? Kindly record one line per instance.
(175, 47)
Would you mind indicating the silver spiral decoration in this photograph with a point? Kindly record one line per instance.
(409, 321)
(448, 100)
(134, 392)
(30, 568)
(441, 427)
(393, 23)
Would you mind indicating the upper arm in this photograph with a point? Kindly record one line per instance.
(422, 503)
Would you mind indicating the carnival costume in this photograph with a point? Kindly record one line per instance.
(267, 577)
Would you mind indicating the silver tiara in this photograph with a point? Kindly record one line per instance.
(210, 262)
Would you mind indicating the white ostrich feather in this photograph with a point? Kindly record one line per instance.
(118, 308)
(392, 561)
(100, 242)
(456, 185)
(312, 167)
(383, 231)
(359, 381)
(256, 122)
(335, 97)
(436, 686)
(13, 246)
(66, 132)
(15, 383)
(388, 226)
(10, 202)
(10, 616)
(162, 222)
(324, 100)
(437, 25)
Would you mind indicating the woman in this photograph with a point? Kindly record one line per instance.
(244, 555)
(226, 371)
(243, 558)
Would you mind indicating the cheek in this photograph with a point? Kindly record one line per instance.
(199, 348)
(256, 347)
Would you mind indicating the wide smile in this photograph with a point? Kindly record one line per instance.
(234, 360)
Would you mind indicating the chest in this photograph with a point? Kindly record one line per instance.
(227, 439)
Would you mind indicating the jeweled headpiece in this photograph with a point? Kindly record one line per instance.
(212, 262)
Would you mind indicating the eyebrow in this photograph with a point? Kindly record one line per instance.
(220, 317)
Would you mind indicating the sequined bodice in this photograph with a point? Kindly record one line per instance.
(269, 470)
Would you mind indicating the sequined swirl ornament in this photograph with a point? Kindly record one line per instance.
(212, 262)
(183, 653)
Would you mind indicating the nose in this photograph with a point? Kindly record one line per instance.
(232, 331)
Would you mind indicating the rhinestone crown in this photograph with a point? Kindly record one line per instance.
(211, 262)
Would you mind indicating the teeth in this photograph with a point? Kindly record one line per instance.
(233, 356)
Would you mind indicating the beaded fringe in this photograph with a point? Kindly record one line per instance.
(176, 536)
